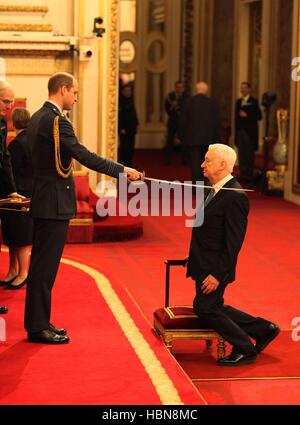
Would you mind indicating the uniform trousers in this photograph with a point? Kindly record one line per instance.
(49, 238)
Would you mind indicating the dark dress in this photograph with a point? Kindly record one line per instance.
(7, 184)
(17, 227)
(128, 121)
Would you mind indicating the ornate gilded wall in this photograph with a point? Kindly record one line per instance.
(284, 53)
(222, 57)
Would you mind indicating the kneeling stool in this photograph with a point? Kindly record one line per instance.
(181, 322)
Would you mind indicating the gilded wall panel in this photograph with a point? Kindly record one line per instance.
(112, 94)
(36, 66)
(222, 56)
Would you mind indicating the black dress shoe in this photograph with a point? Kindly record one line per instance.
(236, 359)
(261, 343)
(3, 310)
(47, 337)
(6, 282)
(58, 331)
(10, 286)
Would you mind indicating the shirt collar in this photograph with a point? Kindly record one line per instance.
(246, 98)
(222, 182)
(56, 105)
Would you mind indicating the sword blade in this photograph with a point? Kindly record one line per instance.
(196, 185)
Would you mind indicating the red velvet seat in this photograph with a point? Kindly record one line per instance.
(181, 322)
(175, 317)
(82, 189)
(81, 227)
(88, 227)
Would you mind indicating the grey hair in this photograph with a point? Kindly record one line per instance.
(226, 153)
(4, 85)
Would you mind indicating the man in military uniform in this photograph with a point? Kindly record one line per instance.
(7, 184)
(54, 145)
(173, 106)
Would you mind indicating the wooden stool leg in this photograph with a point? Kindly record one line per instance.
(208, 343)
(221, 348)
(169, 342)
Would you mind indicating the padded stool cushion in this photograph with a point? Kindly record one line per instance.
(178, 317)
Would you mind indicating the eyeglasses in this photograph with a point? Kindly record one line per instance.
(7, 101)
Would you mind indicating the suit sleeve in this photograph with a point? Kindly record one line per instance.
(236, 220)
(16, 154)
(69, 143)
(7, 173)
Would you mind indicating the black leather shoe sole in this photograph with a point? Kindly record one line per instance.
(242, 361)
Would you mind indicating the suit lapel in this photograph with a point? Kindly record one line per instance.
(221, 193)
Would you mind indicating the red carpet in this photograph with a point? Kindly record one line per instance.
(267, 285)
(274, 362)
(100, 366)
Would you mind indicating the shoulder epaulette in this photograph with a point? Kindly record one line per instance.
(62, 171)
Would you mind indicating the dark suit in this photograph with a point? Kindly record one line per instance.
(22, 163)
(7, 184)
(128, 121)
(173, 106)
(246, 129)
(53, 204)
(17, 228)
(214, 250)
(199, 127)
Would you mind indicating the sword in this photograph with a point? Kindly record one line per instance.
(195, 185)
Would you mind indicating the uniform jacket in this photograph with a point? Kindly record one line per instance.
(54, 196)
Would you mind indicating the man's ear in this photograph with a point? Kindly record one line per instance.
(223, 164)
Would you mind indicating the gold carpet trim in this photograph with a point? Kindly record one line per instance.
(161, 381)
(262, 378)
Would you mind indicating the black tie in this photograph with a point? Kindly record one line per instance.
(209, 197)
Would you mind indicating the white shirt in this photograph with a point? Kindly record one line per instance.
(222, 182)
(56, 105)
(245, 99)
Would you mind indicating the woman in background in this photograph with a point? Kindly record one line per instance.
(17, 227)
(128, 123)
